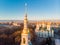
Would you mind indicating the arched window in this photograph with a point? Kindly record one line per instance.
(24, 40)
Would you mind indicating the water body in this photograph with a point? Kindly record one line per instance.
(16, 21)
(11, 20)
(2, 25)
(5, 25)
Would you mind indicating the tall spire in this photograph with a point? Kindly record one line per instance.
(25, 30)
(25, 8)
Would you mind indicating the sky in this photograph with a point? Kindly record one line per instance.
(37, 9)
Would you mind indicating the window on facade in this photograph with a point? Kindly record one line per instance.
(24, 40)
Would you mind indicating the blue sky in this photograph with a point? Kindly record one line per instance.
(37, 9)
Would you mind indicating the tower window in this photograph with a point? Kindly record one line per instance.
(24, 40)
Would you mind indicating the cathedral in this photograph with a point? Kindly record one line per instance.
(25, 35)
(44, 30)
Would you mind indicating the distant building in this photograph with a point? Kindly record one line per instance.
(15, 24)
(37, 27)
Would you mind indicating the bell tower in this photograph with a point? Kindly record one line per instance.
(24, 35)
